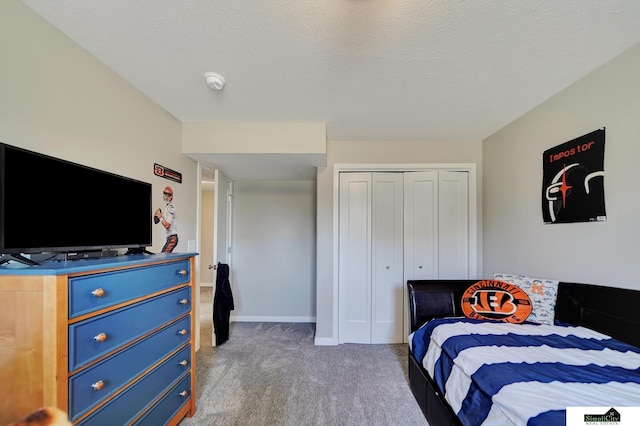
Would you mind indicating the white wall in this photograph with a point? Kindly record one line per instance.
(515, 238)
(372, 152)
(273, 251)
(58, 99)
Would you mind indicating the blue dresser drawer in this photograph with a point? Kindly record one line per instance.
(129, 404)
(100, 381)
(162, 412)
(91, 292)
(95, 337)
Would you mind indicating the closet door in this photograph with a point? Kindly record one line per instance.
(436, 237)
(421, 225)
(354, 263)
(453, 225)
(395, 227)
(436, 227)
(371, 280)
(387, 298)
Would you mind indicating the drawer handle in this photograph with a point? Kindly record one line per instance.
(98, 292)
(182, 332)
(100, 337)
(183, 301)
(182, 272)
(98, 385)
(183, 363)
(184, 393)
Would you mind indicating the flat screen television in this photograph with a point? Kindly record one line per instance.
(56, 206)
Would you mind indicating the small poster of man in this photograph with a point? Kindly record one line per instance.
(167, 218)
(573, 180)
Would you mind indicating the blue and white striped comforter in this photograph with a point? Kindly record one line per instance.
(495, 373)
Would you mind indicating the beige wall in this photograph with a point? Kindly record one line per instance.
(515, 238)
(249, 138)
(58, 99)
(274, 251)
(351, 152)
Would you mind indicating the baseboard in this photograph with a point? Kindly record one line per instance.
(206, 284)
(325, 341)
(246, 318)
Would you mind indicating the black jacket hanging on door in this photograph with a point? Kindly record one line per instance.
(222, 304)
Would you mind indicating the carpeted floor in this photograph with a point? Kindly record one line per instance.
(273, 374)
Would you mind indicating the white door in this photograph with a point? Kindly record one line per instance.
(436, 239)
(354, 264)
(395, 227)
(387, 297)
(453, 225)
(222, 219)
(421, 225)
(370, 258)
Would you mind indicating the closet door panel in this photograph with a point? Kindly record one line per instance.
(395, 227)
(387, 258)
(421, 225)
(453, 210)
(354, 266)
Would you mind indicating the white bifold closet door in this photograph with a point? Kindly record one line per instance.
(371, 260)
(436, 225)
(396, 226)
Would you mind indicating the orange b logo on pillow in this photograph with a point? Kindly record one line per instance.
(496, 301)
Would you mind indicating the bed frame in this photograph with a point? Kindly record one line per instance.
(609, 310)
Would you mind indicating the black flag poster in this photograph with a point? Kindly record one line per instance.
(573, 180)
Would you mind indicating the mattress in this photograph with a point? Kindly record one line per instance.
(494, 373)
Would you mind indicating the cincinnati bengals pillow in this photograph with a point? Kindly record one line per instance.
(496, 301)
(543, 294)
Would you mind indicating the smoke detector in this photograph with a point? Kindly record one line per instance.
(213, 80)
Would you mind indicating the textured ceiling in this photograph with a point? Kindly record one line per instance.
(370, 69)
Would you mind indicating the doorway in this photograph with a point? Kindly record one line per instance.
(215, 212)
(206, 271)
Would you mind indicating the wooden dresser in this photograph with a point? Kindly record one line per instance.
(109, 341)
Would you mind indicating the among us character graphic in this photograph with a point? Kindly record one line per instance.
(167, 218)
(573, 181)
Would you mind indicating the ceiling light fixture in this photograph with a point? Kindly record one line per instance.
(215, 81)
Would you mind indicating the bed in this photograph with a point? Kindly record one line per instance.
(594, 314)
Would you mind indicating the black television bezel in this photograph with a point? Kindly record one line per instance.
(15, 251)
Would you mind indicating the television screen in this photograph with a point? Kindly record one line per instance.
(52, 205)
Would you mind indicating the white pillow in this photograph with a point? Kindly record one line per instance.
(543, 294)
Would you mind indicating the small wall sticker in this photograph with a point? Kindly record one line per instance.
(166, 173)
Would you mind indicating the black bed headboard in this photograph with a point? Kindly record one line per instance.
(430, 299)
(609, 310)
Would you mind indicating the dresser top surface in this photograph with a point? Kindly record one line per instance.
(86, 265)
